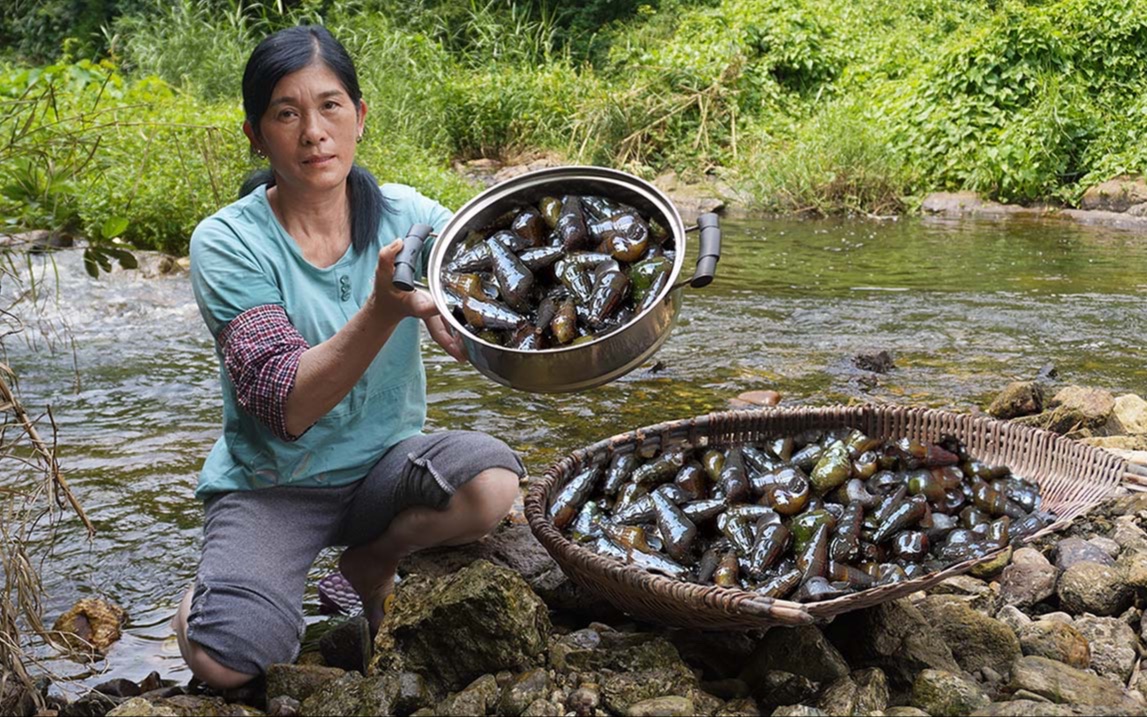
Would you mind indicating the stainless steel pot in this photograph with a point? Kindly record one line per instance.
(581, 366)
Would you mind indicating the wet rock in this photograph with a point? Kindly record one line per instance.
(351, 694)
(744, 707)
(93, 704)
(893, 636)
(991, 568)
(299, 681)
(1056, 641)
(1133, 567)
(1107, 545)
(778, 688)
(523, 690)
(139, 707)
(584, 701)
(875, 360)
(478, 698)
(453, 629)
(904, 711)
(1091, 587)
(729, 688)
(620, 690)
(945, 694)
(1028, 580)
(717, 653)
(1115, 195)
(766, 398)
(797, 711)
(1019, 398)
(514, 547)
(975, 640)
(407, 692)
(1077, 550)
(1128, 416)
(1128, 534)
(1093, 405)
(119, 687)
(91, 624)
(861, 693)
(283, 707)
(1113, 646)
(802, 650)
(541, 708)
(978, 593)
(1013, 617)
(670, 706)
(1063, 684)
(590, 650)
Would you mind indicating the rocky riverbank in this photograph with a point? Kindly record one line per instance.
(497, 629)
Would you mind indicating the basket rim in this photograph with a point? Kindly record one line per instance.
(747, 603)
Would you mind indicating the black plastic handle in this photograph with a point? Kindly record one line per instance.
(404, 265)
(709, 252)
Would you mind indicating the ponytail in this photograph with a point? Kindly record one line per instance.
(366, 202)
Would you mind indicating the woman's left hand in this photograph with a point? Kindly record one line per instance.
(445, 337)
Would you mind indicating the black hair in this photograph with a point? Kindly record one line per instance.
(290, 50)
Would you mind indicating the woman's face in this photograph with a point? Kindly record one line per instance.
(309, 129)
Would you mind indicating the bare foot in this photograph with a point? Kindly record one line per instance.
(372, 579)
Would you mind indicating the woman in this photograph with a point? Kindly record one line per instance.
(324, 392)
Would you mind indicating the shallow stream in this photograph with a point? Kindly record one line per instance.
(963, 308)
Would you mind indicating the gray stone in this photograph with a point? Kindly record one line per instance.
(861, 693)
(282, 707)
(893, 636)
(513, 547)
(1094, 588)
(1019, 398)
(945, 694)
(1129, 416)
(1070, 551)
(669, 706)
(139, 707)
(1115, 195)
(1107, 545)
(1058, 616)
(1013, 617)
(453, 629)
(584, 700)
(975, 639)
(802, 650)
(621, 689)
(1055, 641)
(778, 688)
(905, 711)
(1114, 645)
(93, 704)
(299, 681)
(1128, 534)
(797, 711)
(478, 698)
(351, 694)
(743, 707)
(590, 650)
(1094, 405)
(523, 690)
(1133, 566)
(542, 708)
(1063, 684)
(1028, 580)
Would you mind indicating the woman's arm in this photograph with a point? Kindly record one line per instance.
(328, 371)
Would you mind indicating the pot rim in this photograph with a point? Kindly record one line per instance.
(507, 190)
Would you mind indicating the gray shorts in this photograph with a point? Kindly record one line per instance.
(259, 545)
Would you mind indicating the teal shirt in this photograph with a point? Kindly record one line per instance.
(241, 257)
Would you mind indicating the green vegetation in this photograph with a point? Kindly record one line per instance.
(807, 106)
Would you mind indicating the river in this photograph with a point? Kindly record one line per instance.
(963, 307)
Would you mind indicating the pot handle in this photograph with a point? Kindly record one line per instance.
(709, 252)
(404, 264)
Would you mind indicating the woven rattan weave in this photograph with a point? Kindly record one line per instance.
(1073, 478)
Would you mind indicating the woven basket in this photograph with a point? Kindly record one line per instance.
(1073, 477)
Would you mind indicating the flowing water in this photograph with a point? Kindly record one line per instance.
(963, 308)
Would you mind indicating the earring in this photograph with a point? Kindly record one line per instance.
(260, 153)
(359, 140)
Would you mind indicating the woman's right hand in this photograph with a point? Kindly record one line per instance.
(391, 300)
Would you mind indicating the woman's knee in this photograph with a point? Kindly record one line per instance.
(205, 668)
(488, 497)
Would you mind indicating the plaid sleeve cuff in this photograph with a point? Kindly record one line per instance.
(261, 350)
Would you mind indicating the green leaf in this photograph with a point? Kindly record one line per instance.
(113, 226)
(125, 258)
(90, 265)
